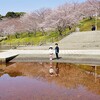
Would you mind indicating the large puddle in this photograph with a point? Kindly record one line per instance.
(49, 81)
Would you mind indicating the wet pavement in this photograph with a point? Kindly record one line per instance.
(34, 81)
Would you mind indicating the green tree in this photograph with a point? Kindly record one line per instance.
(11, 14)
(14, 14)
(0, 17)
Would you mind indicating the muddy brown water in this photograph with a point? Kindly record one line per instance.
(33, 81)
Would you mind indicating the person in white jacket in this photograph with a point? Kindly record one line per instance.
(51, 52)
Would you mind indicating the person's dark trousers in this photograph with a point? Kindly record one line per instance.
(57, 56)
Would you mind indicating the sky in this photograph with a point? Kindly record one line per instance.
(30, 5)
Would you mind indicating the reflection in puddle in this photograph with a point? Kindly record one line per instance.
(33, 81)
(54, 70)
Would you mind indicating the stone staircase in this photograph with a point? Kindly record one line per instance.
(81, 40)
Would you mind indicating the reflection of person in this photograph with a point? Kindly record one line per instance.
(51, 70)
(57, 50)
(51, 52)
(57, 69)
(54, 71)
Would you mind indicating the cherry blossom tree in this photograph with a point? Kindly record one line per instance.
(29, 22)
(95, 4)
(42, 15)
(58, 19)
(62, 17)
(32, 21)
(90, 8)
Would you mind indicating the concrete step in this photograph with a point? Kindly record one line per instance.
(7, 56)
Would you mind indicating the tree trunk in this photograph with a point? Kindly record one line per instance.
(60, 30)
(43, 32)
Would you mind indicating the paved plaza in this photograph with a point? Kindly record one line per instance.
(79, 47)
